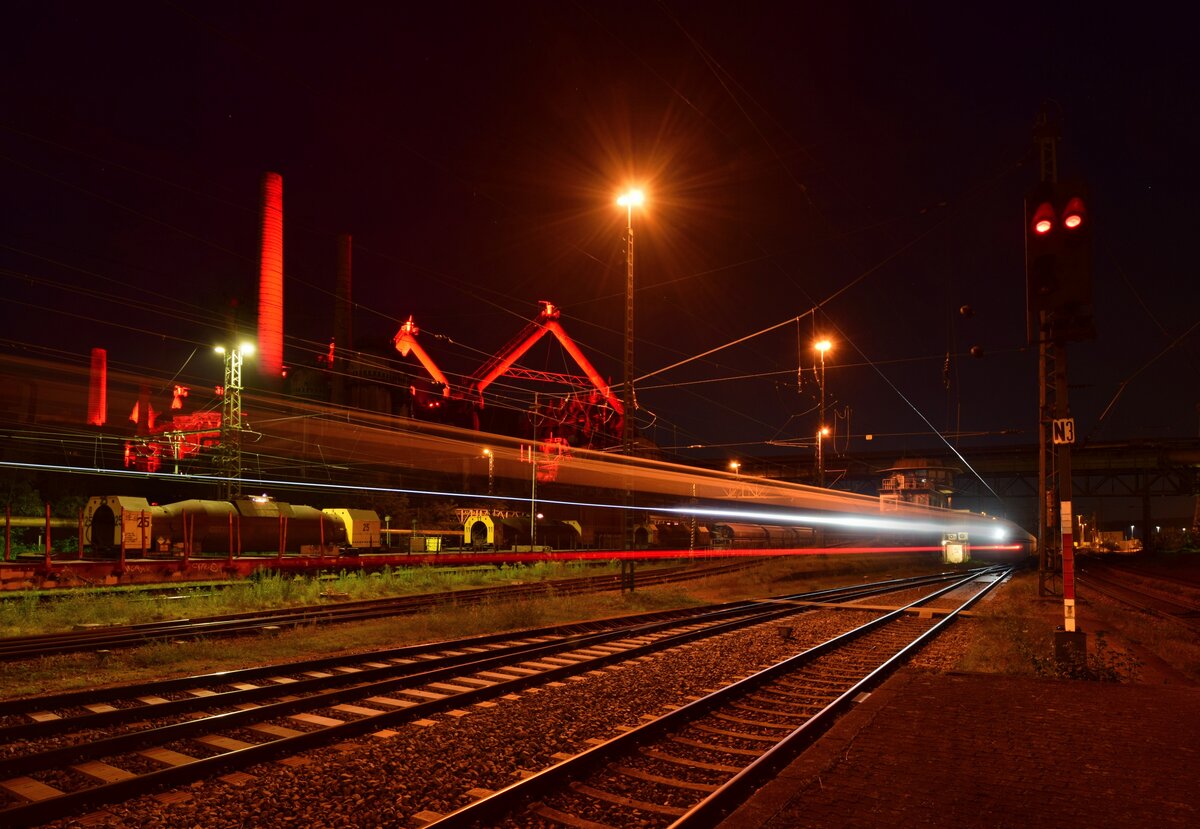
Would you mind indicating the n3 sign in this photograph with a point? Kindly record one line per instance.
(1064, 430)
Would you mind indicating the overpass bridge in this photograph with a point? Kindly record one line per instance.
(1115, 483)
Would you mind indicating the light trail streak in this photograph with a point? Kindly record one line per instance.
(860, 522)
(328, 449)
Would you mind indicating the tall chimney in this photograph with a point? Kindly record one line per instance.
(269, 355)
(97, 411)
(343, 334)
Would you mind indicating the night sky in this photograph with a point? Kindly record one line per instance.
(869, 163)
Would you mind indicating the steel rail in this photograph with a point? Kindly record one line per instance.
(490, 810)
(1141, 600)
(714, 808)
(624, 627)
(71, 802)
(43, 702)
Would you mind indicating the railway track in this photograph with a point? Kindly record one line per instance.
(692, 766)
(1152, 594)
(71, 752)
(111, 638)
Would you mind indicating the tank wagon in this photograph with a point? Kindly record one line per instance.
(114, 522)
(261, 525)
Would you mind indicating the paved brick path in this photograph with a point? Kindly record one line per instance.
(967, 750)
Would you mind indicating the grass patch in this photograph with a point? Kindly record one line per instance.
(31, 615)
(1016, 636)
(163, 659)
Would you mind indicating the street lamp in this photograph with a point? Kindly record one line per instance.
(821, 346)
(229, 459)
(735, 466)
(629, 200)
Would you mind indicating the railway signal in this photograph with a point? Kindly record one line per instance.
(1058, 263)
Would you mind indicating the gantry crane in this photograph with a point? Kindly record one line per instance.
(585, 418)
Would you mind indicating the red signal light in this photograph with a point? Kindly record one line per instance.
(1073, 215)
(1043, 219)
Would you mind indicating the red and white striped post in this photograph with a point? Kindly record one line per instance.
(1067, 525)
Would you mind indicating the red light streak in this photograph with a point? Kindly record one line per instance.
(647, 555)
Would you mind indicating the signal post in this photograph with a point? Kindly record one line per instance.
(1058, 290)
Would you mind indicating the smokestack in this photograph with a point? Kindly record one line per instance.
(97, 411)
(270, 288)
(343, 333)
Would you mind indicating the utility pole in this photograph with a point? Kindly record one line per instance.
(1046, 137)
(533, 447)
(1196, 510)
(628, 200)
(821, 346)
(229, 458)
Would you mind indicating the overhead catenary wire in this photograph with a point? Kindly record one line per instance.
(727, 83)
(711, 351)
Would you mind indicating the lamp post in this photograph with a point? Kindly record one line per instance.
(821, 433)
(821, 346)
(735, 466)
(487, 453)
(628, 200)
(229, 459)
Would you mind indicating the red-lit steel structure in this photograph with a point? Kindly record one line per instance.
(591, 416)
(545, 322)
(406, 343)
